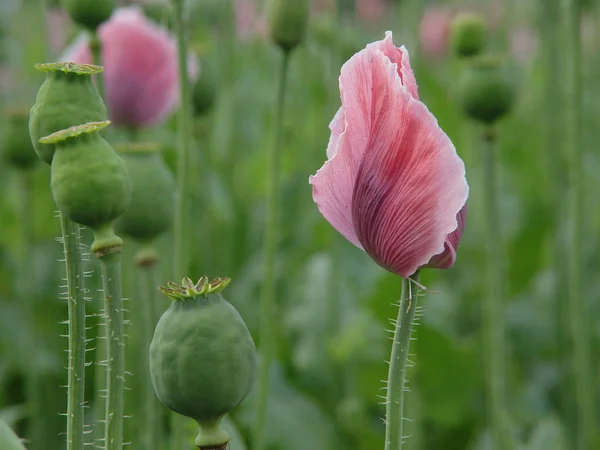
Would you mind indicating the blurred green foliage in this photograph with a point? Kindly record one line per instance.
(333, 302)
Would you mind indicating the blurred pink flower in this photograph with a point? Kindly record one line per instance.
(58, 26)
(323, 6)
(434, 31)
(371, 11)
(393, 183)
(140, 68)
(249, 23)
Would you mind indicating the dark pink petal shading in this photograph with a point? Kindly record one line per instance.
(447, 258)
(411, 183)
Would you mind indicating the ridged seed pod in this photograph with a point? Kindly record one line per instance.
(65, 98)
(202, 357)
(89, 181)
(17, 149)
(469, 34)
(151, 210)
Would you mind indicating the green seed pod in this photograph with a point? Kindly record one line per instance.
(17, 148)
(89, 181)
(151, 210)
(67, 97)
(288, 21)
(486, 90)
(90, 13)
(204, 91)
(8, 439)
(469, 34)
(202, 357)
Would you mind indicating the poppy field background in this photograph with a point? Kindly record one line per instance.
(333, 303)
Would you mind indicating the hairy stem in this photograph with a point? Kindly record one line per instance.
(577, 312)
(492, 309)
(396, 382)
(110, 265)
(149, 423)
(76, 311)
(266, 332)
(184, 134)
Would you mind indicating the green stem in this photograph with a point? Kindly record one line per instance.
(149, 423)
(96, 50)
(492, 310)
(396, 382)
(110, 265)
(76, 311)
(184, 134)
(577, 312)
(266, 332)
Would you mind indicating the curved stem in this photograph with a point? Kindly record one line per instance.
(492, 309)
(76, 311)
(266, 333)
(149, 424)
(577, 311)
(396, 382)
(110, 265)
(184, 135)
(96, 50)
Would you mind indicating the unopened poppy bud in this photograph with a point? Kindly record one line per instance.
(204, 91)
(202, 357)
(151, 210)
(486, 89)
(90, 13)
(469, 34)
(67, 97)
(17, 149)
(288, 21)
(89, 181)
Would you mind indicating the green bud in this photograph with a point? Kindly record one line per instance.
(90, 13)
(17, 148)
(469, 34)
(67, 97)
(486, 90)
(151, 210)
(202, 357)
(89, 181)
(204, 91)
(288, 21)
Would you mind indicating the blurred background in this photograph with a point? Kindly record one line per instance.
(333, 302)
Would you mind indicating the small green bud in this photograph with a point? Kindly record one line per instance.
(469, 34)
(202, 357)
(151, 210)
(17, 149)
(89, 181)
(204, 91)
(486, 89)
(288, 21)
(90, 13)
(65, 98)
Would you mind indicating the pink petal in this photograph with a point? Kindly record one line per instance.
(447, 258)
(411, 183)
(140, 68)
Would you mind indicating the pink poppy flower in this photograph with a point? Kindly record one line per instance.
(434, 31)
(371, 11)
(393, 183)
(140, 68)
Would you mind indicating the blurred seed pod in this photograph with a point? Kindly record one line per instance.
(288, 20)
(90, 13)
(151, 210)
(17, 148)
(67, 97)
(469, 34)
(487, 89)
